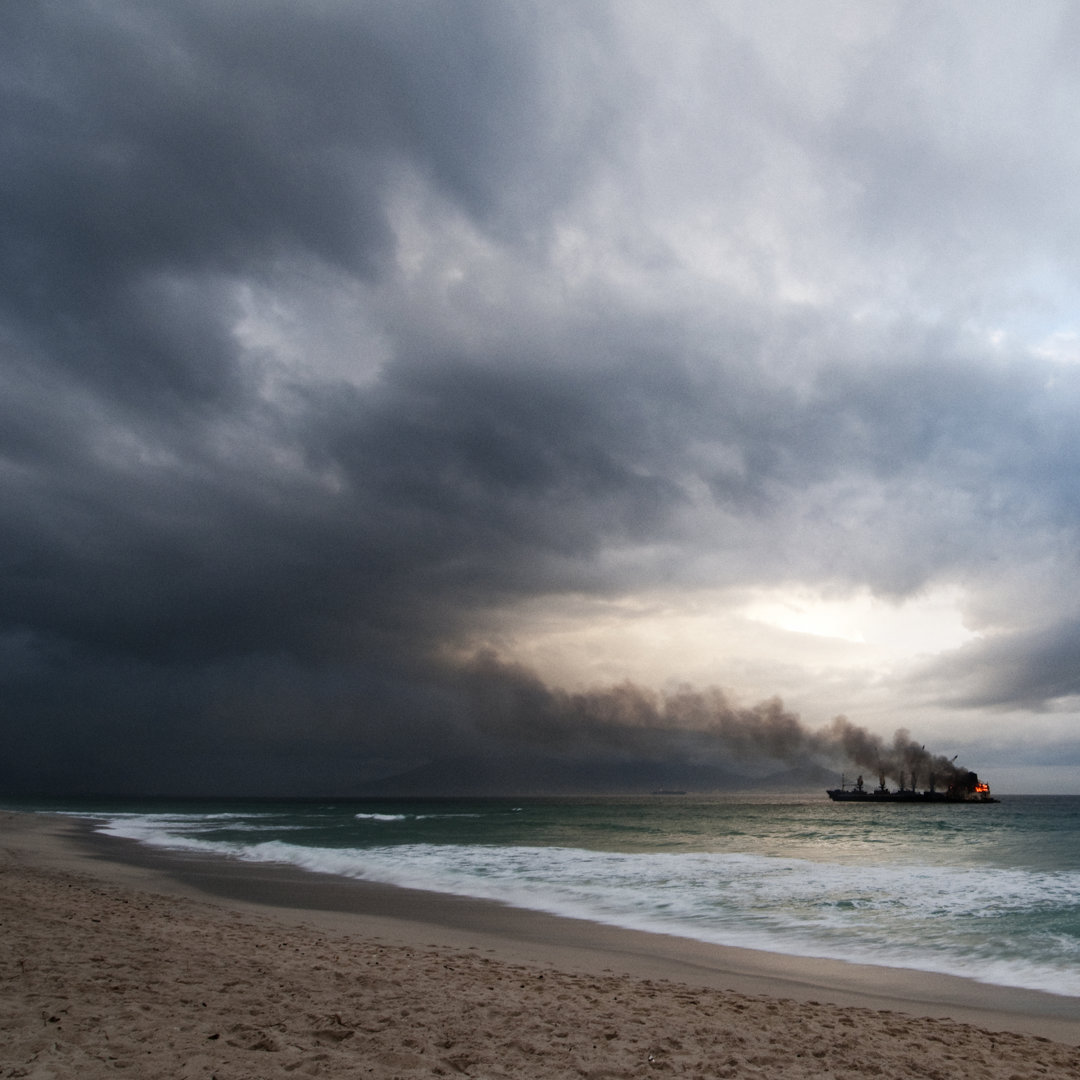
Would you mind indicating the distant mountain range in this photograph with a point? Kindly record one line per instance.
(552, 776)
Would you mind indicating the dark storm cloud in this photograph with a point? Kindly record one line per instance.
(1025, 669)
(232, 555)
(150, 147)
(152, 154)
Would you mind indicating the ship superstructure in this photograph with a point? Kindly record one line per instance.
(965, 787)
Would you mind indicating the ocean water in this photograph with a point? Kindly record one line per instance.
(991, 892)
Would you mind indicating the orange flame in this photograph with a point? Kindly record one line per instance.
(982, 789)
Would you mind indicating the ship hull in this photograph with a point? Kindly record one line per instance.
(840, 795)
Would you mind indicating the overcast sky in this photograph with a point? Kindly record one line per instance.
(364, 366)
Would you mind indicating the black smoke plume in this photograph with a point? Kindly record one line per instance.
(907, 762)
(510, 702)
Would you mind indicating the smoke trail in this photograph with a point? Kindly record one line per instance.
(512, 703)
(905, 761)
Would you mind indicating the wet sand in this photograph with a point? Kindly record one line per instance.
(117, 955)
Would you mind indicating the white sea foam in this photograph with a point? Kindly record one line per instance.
(168, 830)
(975, 922)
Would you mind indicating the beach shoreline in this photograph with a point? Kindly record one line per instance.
(53, 859)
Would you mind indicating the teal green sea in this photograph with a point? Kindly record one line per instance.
(991, 892)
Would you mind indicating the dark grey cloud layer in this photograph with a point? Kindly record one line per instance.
(326, 330)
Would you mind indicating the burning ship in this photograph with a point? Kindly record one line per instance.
(964, 787)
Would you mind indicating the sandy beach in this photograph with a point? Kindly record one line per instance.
(116, 957)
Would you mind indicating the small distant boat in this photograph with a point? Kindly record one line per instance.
(668, 791)
(965, 788)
